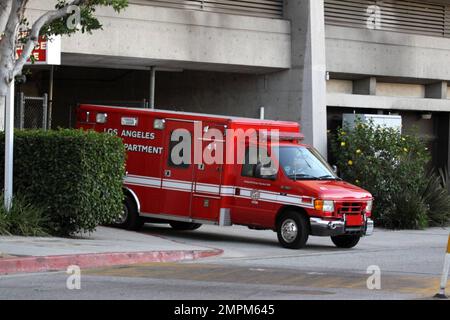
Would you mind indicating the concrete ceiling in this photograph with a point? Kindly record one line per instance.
(83, 60)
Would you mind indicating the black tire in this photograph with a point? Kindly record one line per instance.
(346, 241)
(184, 226)
(293, 230)
(130, 219)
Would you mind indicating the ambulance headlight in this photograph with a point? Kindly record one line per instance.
(369, 206)
(324, 205)
(101, 118)
(159, 124)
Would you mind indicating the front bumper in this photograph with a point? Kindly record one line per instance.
(324, 228)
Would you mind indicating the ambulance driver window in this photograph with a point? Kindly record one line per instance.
(179, 149)
(253, 165)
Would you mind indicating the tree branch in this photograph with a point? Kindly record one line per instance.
(8, 41)
(35, 31)
(5, 11)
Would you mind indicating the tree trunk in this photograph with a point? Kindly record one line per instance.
(3, 94)
(6, 66)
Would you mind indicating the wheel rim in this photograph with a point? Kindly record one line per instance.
(289, 230)
(123, 216)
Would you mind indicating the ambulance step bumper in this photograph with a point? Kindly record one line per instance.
(325, 228)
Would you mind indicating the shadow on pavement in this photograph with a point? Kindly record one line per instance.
(212, 238)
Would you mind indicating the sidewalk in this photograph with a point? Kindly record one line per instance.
(105, 247)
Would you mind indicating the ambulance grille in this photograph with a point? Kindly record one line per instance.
(352, 208)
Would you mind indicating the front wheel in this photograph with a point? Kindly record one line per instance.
(345, 242)
(293, 230)
(184, 226)
(129, 219)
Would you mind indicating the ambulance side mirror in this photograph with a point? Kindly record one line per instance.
(335, 169)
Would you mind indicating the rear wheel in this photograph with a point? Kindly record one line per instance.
(345, 241)
(129, 219)
(293, 230)
(184, 226)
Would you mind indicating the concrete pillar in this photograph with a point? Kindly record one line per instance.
(436, 90)
(2, 112)
(314, 108)
(151, 99)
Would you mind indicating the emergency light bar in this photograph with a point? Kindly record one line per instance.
(284, 136)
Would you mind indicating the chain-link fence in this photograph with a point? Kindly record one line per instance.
(31, 112)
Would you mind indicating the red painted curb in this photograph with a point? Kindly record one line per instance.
(95, 260)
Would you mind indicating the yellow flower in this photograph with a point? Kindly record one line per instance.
(357, 181)
(343, 144)
(343, 133)
(405, 149)
(358, 151)
(350, 162)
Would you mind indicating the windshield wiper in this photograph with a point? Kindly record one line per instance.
(329, 177)
(299, 176)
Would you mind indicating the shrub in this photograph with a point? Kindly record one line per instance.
(75, 176)
(409, 212)
(4, 223)
(389, 165)
(24, 219)
(436, 196)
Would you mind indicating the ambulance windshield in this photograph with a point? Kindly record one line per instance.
(302, 163)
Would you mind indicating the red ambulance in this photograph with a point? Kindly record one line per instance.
(295, 193)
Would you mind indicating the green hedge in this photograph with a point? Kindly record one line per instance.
(75, 176)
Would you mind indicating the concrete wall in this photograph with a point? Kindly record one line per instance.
(400, 90)
(143, 35)
(387, 103)
(340, 86)
(380, 53)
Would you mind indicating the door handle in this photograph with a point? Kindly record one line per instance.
(167, 173)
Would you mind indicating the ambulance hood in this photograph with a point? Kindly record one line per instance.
(334, 190)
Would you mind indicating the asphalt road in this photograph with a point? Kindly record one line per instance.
(254, 266)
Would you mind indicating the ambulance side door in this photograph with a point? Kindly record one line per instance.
(255, 199)
(177, 168)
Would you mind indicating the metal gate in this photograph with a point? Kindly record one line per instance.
(31, 112)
